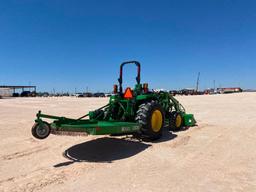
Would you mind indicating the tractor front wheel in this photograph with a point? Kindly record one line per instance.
(151, 117)
(41, 130)
(176, 121)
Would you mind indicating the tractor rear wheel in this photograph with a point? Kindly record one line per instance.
(176, 121)
(151, 118)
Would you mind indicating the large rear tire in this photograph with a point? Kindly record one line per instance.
(151, 118)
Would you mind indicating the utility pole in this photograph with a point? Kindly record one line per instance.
(197, 82)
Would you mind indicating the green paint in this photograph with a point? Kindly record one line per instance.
(118, 116)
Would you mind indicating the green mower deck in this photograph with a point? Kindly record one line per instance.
(92, 127)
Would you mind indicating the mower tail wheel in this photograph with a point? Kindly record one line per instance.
(41, 130)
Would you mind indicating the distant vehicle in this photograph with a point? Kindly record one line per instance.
(65, 94)
(43, 94)
(32, 94)
(99, 95)
(25, 94)
(188, 92)
(88, 94)
(109, 94)
(173, 92)
(46, 94)
(79, 94)
(229, 90)
(15, 94)
(209, 91)
(159, 90)
(28, 94)
(200, 93)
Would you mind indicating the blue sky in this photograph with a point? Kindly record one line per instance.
(77, 44)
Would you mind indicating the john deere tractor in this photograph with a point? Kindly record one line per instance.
(137, 111)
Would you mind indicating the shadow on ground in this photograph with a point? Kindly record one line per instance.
(104, 149)
(108, 149)
(167, 136)
(186, 128)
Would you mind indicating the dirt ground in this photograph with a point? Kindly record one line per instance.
(217, 155)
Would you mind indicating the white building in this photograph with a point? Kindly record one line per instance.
(6, 92)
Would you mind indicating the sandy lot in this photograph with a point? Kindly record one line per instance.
(217, 155)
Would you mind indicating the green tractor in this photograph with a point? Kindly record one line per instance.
(137, 111)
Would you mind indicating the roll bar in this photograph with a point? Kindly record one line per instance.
(120, 79)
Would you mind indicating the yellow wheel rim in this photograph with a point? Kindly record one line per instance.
(156, 120)
(178, 121)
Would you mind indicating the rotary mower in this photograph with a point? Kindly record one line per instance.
(137, 111)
